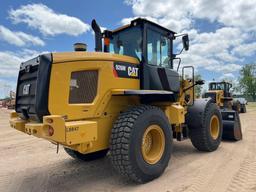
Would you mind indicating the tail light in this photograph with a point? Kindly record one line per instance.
(50, 131)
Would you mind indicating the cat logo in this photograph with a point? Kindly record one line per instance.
(26, 89)
(126, 70)
(133, 71)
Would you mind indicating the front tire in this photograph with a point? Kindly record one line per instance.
(141, 143)
(243, 108)
(206, 133)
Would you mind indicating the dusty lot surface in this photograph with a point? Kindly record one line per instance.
(31, 164)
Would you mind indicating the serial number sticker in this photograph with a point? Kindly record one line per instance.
(71, 129)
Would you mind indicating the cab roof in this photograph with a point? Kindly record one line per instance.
(219, 82)
(141, 21)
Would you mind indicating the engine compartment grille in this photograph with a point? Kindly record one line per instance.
(83, 86)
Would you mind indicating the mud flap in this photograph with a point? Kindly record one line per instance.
(231, 125)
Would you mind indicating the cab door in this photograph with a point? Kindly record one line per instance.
(157, 69)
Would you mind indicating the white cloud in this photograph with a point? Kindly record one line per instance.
(219, 51)
(48, 22)
(227, 68)
(227, 76)
(245, 49)
(10, 61)
(172, 14)
(239, 13)
(9, 68)
(19, 38)
(211, 51)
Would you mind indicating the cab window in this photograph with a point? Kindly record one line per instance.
(158, 49)
(127, 42)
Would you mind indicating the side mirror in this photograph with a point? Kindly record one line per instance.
(185, 41)
(199, 82)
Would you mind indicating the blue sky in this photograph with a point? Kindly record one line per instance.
(221, 42)
(105, 12)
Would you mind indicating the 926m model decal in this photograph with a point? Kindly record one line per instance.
(126, 70)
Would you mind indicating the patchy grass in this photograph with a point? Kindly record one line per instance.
(252, 104)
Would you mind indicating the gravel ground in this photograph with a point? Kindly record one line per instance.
(31, 164)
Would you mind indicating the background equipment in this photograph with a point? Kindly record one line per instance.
(222, 96)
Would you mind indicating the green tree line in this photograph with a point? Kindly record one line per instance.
(247, 81)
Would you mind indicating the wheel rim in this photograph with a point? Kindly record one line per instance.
(153, 143)
(215, 127)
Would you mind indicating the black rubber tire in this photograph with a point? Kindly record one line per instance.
(200, 135)
(243, 108)
(237, 106)
(126, 138)
(86, 157)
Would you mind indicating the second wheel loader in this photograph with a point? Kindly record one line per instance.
(222, 96)
(125, 98)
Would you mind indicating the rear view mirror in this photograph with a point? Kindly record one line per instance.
(199, 82)
(185, 41)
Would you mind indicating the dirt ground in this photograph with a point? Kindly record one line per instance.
(31, 164)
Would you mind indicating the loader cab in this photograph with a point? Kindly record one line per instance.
(152, 45)
(224, 86)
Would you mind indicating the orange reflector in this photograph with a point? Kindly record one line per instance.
(106, 41)
(50, 131)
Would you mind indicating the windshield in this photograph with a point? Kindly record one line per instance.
(127, 42)
(217, 86)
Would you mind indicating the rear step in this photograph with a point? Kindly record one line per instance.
(231, 125)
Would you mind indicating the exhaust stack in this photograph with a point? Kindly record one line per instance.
(98, 36)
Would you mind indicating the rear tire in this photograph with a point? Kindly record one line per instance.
(207, 135)
(243, 108)
(86, 157)
(237, 106)
(135, 151)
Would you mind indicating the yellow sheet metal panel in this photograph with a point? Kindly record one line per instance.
(117, 91)
(219, 96)
(81, 132)
(66, 133)
(18, 124)
(176, 114)
(91, 56)
(105, 123)
(13, 115)
(41, 130)
(186, 94)
(57, 122)
(60, 81)
(35, 129)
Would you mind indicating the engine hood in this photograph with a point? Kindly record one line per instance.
(90, 56)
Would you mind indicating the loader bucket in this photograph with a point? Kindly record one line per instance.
(231, 125)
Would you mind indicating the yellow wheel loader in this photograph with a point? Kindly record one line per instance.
(221, 95)
(125, 98)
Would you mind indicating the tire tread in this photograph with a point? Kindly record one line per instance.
(120, 138)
